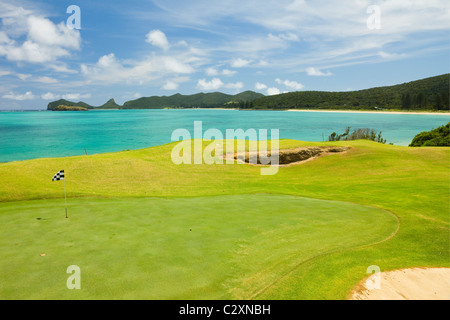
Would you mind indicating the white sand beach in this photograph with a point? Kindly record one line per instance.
(379, 112)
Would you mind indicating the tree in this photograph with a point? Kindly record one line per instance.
(406, 101)
(445, 100)
(421, 100)
(437, 102)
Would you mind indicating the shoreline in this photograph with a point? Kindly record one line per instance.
(368, 111)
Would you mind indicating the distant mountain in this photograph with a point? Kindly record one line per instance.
(425, 94)
(110, 104)
(199, 100)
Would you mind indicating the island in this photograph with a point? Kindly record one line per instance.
(69, 108)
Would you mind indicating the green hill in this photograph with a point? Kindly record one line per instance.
(53, 105)
(426, 94)
(110, 104)
(199, 100)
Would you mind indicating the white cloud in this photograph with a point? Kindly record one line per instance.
(273, 91)
(44, 32)
(23, 76)
(170, 85)
(331, 32)
(238, 85)
(229, 73)
(283, 37)
(20, 97)
(239, 63)
(212, 72)
(214, 84)
(61, 68)
(311, 71)
(158, 39)
(46, 79)
(131, 96)
(260, 86)
(109, 69)
(391, 56)
(4, 73)
(50, 96)
(174, 83)
(76, 96)
(67, 96)
(290, 84)
(44, 42)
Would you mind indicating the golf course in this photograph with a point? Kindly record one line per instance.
(141, 227)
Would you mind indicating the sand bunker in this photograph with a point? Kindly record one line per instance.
(289, 156)
(406, 284)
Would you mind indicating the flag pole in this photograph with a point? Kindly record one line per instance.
(65, 196)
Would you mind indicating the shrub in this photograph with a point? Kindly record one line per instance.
(364, 133)
(439, 137)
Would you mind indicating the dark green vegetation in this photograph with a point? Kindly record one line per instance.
(110, 104)
(439, 137)
(357, 134)
(427, 94)
(199, 100)
(69, 108)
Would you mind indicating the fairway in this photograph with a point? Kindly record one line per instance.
(141, 227)
(219, 247)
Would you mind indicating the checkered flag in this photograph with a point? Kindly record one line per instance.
(59, 176)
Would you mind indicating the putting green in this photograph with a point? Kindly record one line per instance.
(217, 247)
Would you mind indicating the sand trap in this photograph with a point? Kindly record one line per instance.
(289, 156)
(406, 284)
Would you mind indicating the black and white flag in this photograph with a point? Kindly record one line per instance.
(59, 176)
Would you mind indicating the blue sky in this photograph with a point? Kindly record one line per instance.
(129, 49)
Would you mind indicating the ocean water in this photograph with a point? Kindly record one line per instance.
(30, 135)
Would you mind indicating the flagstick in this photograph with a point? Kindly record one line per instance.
(65, 196)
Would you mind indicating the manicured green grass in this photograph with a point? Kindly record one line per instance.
(229, 247)
(218, 247)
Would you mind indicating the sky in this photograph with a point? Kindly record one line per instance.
(93, 51)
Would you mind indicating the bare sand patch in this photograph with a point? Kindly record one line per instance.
(406, 284)
(287, 157)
